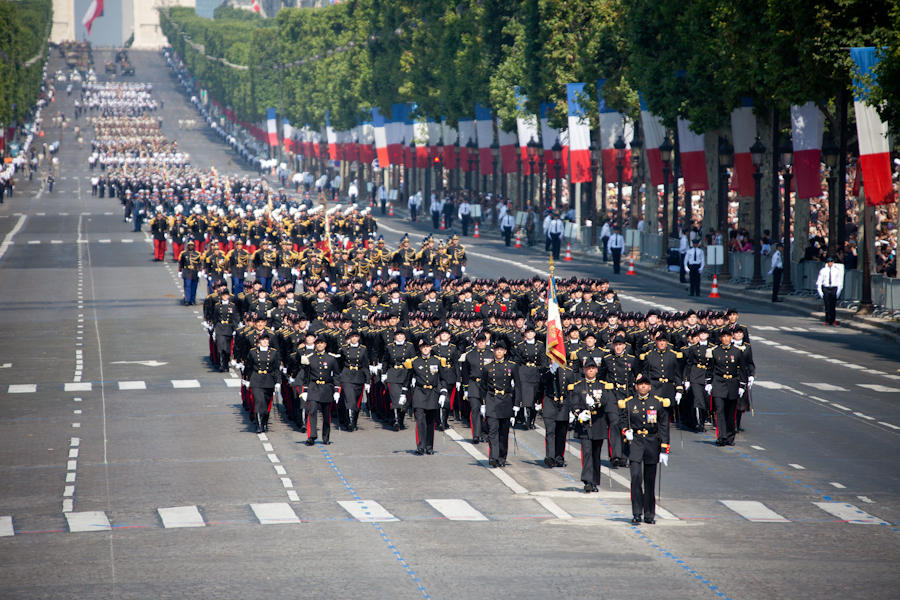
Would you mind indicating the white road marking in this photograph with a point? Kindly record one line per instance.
(185, 383)
(825, 387)
(40, 214)
(769, 385)
(181, 516)
(292, 496)
(8, 238)
(508, 481)
(268, 447)
(819, 399)
(77, 411)
(34, 242)
(75, 442)
(796, 466)
(866, 499)
(6, 527)
(852, 366)
(232, 383)
(68, 491)
(554, 508)
(754, 511)
(287, 483)
(22, 388)
(274, 513)
(263, 437)
(127, 241)
(104, 241)
(72, 465)
(839, 406)
(132, 385)
(764, 328)
(879, 388)
(78, 387)
(280, 470)
(863, 416)
(70, 477)
(849, 513)
(94, 520)
(757, 447)
(892, 426)
(68, 505)
(73, 453)
(455, 509)
(837, 485)
(367, 511)
(273, 458)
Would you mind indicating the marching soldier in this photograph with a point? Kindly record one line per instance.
(238, 261)
(497, 390)
(189, 266)
(320, 372)
(450, 353)
(531, 357)
(587, 400)
(354, 361)
(473, 364)
(555, 411)
(617, 369)
(394, 375)
(646, 427)
(696, 364)
(225, 321)
(739, 339)
(426, 383)
(726, 383)
(263, 367)
(662, 366)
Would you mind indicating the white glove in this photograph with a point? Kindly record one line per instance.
(203, 274)
(284, 370)
(687, 385)
(629, 435)
(373, 369)
(589, 399)
(537, 407)
(483, 409)
(384, 378)
(231, 363)
(213, 336)
(458, 385)
(179, 273)
(304, 395)
(571, 418)
(750, 381)
(442, 400)
(245, 383)
(463, 269)
(246, 274)
(708, 388)
(678, 397)
(553, 367)
(516, 410)
(512, 421)
(664, 458)
(584, 416)
(402, 400)
(295, 272)
(240, 366)
(412, 382)
(741, 392)
(366, 388)
(336, 396)
(291, 380)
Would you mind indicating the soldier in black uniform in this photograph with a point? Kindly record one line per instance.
(587, 399)
(426, 384)
(554, 382)
(225, 320)
(354, 361)
(394, 375)
(530, 356)
(617, 369)
(497, 390)
(473, 364)
(696, 405)
(320, 388)
(447, 350)
(189, 265)
(264, 368)
(662, 366)
(739, 339)
(645, 425)
(726, 382)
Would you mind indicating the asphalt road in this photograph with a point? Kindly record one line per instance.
(128, 469)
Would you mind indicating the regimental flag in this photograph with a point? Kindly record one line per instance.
(743, 130)
(654, 135)
(807, 128)
(484, 129)
(450, 136)
(272, 127)
(874, 149)
(94, 11)
(579, 136)
(287, 132)
(556, 342)
(379, 131)
(466, 135)
(527, 128)
(613, 125)
(693, 157)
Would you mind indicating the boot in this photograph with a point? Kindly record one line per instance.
(397, 420)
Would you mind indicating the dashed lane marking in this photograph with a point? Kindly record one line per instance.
(754, 511)
(274, 513)
(185, 383)
(849, 513)
(94, 520)
(796, 466)
(6, 527)
(181, 516)
(132, 385)
(875, 387)
(22, 388)
(825, 387)
(367, 511)
(78, 387)
(837, 485)
(456, 509)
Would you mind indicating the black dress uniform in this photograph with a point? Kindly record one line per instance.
(531, 358)
(225, 320)
(395, 355)
(354, 361)
(426, 386)
(589, 396)
(744, 402)
(321, 379)
(498, 392)
(696, 405)
(264, 369)
(645, 417)
(618, 371)
(473, 364)
(664, 370)
(725, 372)
(450, 353)
(556, 414)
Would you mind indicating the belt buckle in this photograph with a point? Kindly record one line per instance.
(320, 381)
(498, 392)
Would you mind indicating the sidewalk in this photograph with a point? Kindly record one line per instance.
(795, 304)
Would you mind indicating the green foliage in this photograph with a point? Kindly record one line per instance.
(24, 30)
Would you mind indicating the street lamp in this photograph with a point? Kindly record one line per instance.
(757, 150)
(533, 149)
(726, 161)
(438, 166)
(666, 151)
(619, 147)
(830, 152)
(472, 179)
(495, 156)
(787, 160)
(557, 151)
(411, 162)
(637, 144)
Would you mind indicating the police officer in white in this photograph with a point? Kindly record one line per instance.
(554, 233)
(465, 215)
(437, 206)
(616, 245)
(829, 284)
(694, 261)
(507, 222)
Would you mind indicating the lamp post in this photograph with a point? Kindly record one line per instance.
(787, 160)
(757, 150)
(619, 147)
(533, 148)
(637, 144)
(411, 161)
(666, 150)
(831, 153)
(726, 161)
(472, 150)
(438, 166)
(592, 197)
(519, 178)
(557, 161)
(495, 156)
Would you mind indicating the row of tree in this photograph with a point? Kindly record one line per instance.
(690, 58)
(24, 30)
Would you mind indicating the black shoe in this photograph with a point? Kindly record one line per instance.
(731, 443)
(649, 520)
(475, 441)
(429, 451)
(588, 488)
(310, 442)
(303, 429)
(549, 462)
(396, 426)
(419, 452)
(560, 462)
(635, 520)
(259, 428)
(494, 463)
(594, 488)
(440, 427)
(720, 442)
(503, 462)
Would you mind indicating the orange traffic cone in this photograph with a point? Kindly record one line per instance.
(568, 255)
(630, 270)
(518, 238)
(714, 291)
(443, 223)
(390, 209)
(476, 234)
